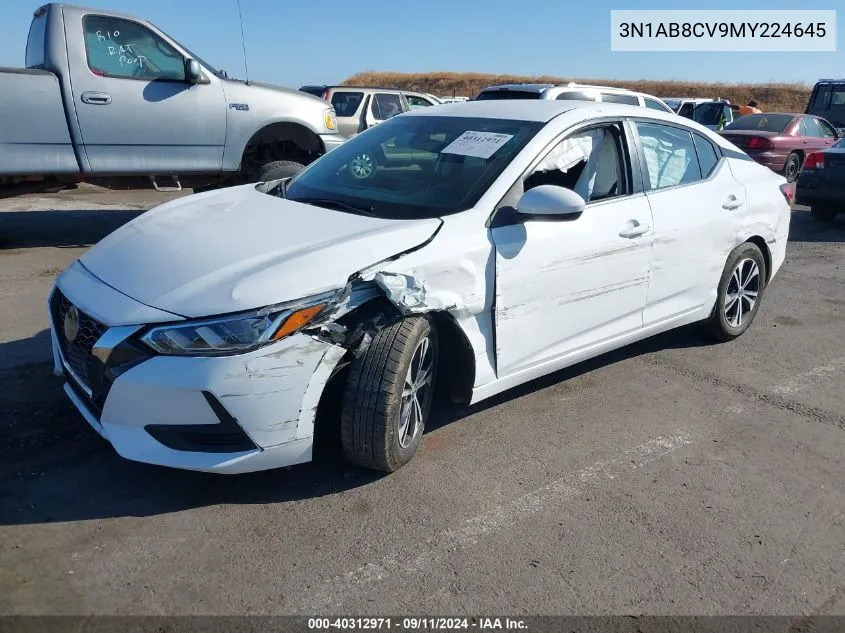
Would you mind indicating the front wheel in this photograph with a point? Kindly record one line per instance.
(792, 167)
(388, 395)
(739, 293)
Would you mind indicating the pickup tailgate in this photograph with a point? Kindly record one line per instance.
(34, 137)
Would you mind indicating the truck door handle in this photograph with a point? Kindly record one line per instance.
(96, 98)
(635, 231)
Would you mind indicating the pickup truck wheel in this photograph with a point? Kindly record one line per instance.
(279, 169)
(825, 214)
(388, 395)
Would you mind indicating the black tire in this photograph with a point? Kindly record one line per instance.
(279, 169)
(373, 397)
(720, 325)
(824, 214)
(792, 167)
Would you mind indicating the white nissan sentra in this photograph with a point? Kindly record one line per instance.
(472, 246)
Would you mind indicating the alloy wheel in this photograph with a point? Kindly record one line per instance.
(741, 293)
(415, 393)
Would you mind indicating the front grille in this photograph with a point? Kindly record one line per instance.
(77, 352)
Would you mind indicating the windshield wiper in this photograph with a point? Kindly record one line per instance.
(328, 203)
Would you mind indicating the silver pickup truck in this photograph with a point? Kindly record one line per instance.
(110, 99)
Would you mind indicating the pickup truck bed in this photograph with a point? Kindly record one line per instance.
(45, 147)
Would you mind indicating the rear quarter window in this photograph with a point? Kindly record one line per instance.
(346, 103)
(35, 54)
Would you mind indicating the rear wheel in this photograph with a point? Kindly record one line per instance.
(792, 167)
(739, 293)
(825, 214)
(388, 395)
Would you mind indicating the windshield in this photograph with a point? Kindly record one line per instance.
(412, 167)
(507, 94)
(762, 122)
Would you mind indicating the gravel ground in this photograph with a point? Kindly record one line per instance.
(672, 477)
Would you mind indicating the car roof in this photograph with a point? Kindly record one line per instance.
(539, 110)
(543, 87)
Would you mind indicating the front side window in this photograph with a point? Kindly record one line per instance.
(386, 106)
(588, 162)
(417, 102)
(122, 48)
(669, 155)
(346, 103)
(413, 167)
(826, 128)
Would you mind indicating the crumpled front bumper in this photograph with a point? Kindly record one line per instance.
(226, 414)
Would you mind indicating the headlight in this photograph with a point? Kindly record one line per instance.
(330, 120)
(239, 333)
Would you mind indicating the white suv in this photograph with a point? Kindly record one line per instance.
(580, 92)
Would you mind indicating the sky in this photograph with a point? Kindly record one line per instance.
(296, 42)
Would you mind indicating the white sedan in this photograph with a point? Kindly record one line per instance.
(468, 247)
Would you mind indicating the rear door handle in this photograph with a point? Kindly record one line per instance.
(96, 98)
(635, 231)
(732, 203)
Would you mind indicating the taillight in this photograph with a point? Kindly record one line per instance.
(813, 161)
(759, 142)
(326, 94)
(788, 191)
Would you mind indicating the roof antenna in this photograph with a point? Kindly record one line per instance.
(243, 42)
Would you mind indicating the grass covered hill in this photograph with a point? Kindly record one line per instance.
(771, 97)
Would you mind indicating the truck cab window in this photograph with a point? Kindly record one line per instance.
(122, 48)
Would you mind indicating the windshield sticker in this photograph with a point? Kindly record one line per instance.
(478, 144)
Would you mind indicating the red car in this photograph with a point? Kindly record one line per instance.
(780, 141)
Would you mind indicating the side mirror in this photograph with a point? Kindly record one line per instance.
(551, 200)
(193, 71)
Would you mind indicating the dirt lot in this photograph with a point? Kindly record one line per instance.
(674, 477)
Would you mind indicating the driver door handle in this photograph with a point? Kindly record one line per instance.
(96, 98)
(635, 231)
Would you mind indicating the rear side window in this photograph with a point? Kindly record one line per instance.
(670, 155)
(125, 49)
(346, 103)
(575, 96)
(687, 110)
(491, 95)
(655, 105)
(35, 42)
(821, 98)
(809, 127)
(837, 98)
(707, 156)
(612, 97)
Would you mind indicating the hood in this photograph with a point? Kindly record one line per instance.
(239, 249)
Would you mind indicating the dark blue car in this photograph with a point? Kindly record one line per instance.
(821, 182)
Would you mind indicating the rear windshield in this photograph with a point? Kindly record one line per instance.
(490, 95)
(317, 91)
(763, 122)
(35, 42)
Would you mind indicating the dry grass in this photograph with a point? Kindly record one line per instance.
(771, 97)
